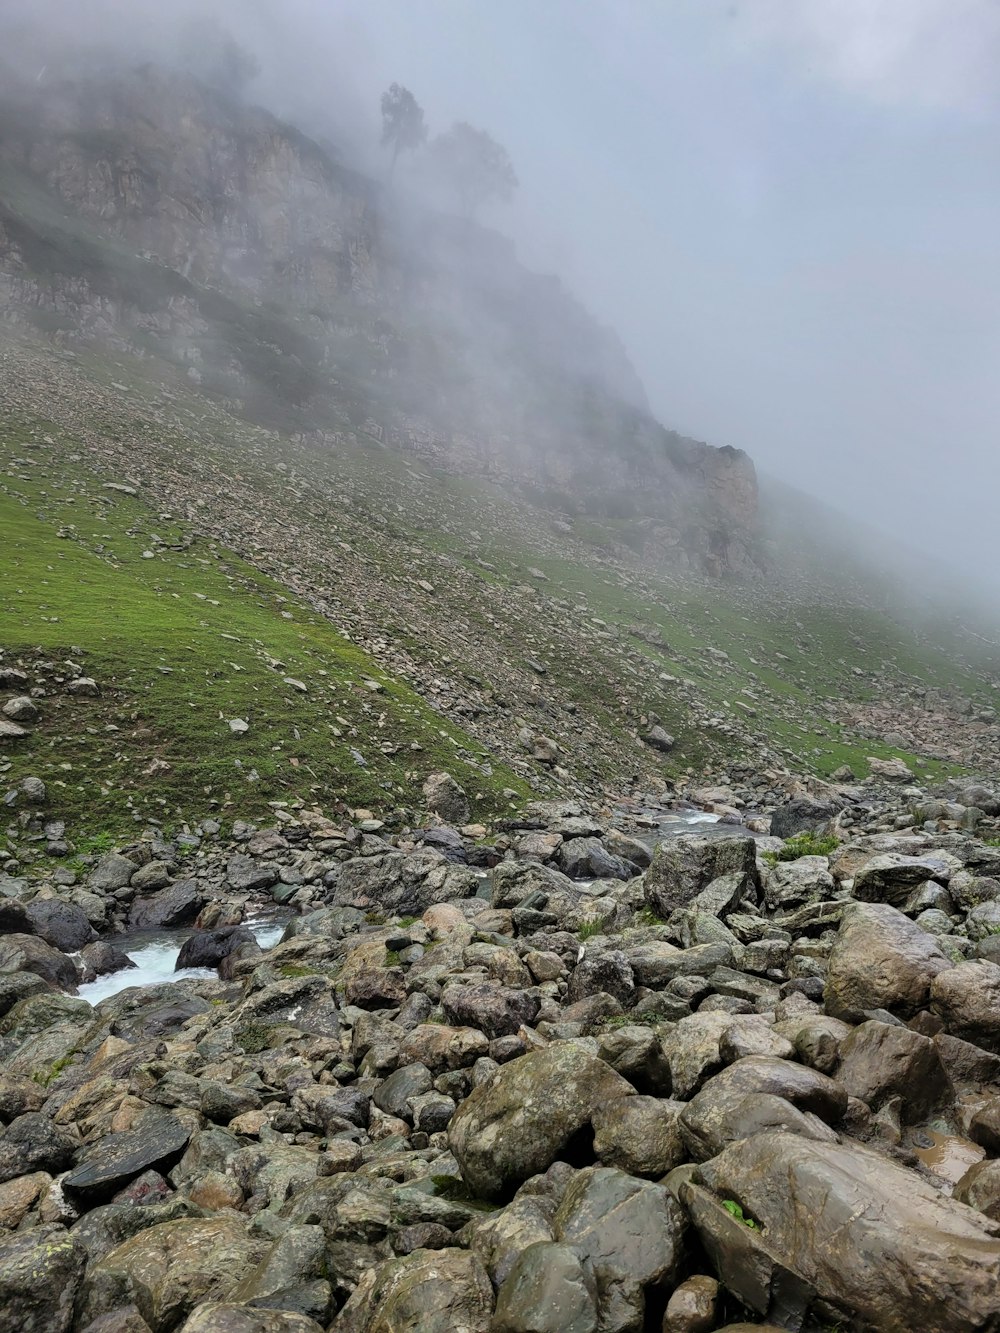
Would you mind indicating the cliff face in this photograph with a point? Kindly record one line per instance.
(153, 215)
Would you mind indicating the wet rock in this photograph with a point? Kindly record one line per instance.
(495, 1010)
(115, 1159)
(528, 1114)
(102, 958)
(226, 1317)
(683, 866)
(549, 1290)
(112, 872)
(40, 1271)
(967, 998)
(33, 1142)
(168, 1269)
(880, 1061)
(872, 1239)
(640, 1135)
(891, 878)
(376, 988)
(588, 858)
(607, 973)
(880, 960)
(435, 1291)
(207, 948)
(692, 1306)
(980, 1189)
(729, 1107)
(802, 815)
(246, 872)
(27, 953)
(176, 905)
(61, 924)
(630, 1234)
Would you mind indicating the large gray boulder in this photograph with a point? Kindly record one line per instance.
(528, 1114)
(891, 877)
(967, 998)
(879, 1061)
(870, 1238)
(880, 960)
(399, 884)
(681, 867)
(630, 1234)
(435, 1291)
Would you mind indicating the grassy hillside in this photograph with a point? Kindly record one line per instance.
(247, 557)
(182, 637)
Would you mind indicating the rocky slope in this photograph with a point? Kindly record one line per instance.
(578, 1072)
(147, 212)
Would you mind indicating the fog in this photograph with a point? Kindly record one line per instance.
(788, 210)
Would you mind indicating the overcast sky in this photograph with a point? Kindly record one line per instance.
(789, 209)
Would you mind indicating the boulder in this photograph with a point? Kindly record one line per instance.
(168, 1269)
(207, 948)
(229, 1317)
(112, 872)
(891, 877)
(967, 999)
(60, 923)
(115, 1159)
(40, 1271)
(880, 960)
(27, 953)
(872, 1239)
(176, 905)
(33, 1142)
(758, 1092)
(588, 858)
(548, 1290)
(802, 815)
(879, 1061)
(446, 798)
(433, 1291)
(681, 867)
(630, 1234)
(528, 1114)
(640, 1135)
(495, 1010)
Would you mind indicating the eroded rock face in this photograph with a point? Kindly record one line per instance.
(527, 1115)
(862, 1233)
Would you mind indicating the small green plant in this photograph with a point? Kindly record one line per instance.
(991, 842)
(405, 922)
(294, 970)
(647, 917)
(594, 925)
(803, 844)
(392, 958)
(734, 1209)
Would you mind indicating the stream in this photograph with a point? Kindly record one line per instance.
(154, 952)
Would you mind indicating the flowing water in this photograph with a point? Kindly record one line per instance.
(154, 953)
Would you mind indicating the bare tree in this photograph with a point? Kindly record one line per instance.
(403, 125)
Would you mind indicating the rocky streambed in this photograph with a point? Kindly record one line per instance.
(590, 1072)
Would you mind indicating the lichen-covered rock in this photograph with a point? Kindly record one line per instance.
(681, 867)
(166, 1270)
(40, 1271)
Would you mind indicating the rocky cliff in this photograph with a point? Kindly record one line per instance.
(152, 215)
